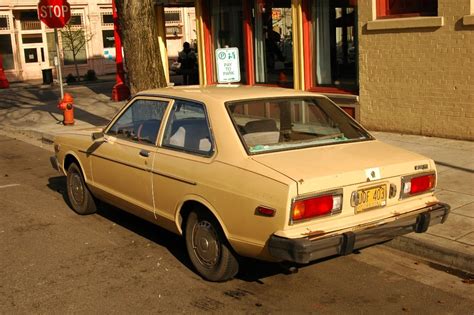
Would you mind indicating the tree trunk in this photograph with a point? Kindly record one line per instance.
(139, 32)
(78, 76)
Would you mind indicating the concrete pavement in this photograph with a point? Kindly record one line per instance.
(28, 111)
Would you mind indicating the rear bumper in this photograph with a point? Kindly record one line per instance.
(303, 250)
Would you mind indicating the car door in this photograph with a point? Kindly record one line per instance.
(121, 161)
(185, 155)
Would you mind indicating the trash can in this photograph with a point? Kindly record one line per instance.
(47, 75)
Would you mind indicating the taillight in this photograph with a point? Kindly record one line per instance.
(417, 184)
(316, 206)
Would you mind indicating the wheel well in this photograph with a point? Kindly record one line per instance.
(191, 205)
(69, 160)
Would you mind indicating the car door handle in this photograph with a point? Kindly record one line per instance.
(144, 153)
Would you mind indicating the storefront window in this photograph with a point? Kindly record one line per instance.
(227, 28)
(406, 8)
(74, 45)
(108, 38)
(6, 51)
(334, 44)
(273, 42)
(51, 47)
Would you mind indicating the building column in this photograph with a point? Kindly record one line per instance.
(203, 80)
(160, 20)
(298, 44)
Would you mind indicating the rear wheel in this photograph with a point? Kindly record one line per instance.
(208, 248)
(80, 198)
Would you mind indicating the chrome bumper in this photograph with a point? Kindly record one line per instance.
(303, 250)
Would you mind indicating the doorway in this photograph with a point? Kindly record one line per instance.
(33, 60)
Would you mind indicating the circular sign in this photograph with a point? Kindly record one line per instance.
(54, 13)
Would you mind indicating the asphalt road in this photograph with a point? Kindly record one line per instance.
(54, 261)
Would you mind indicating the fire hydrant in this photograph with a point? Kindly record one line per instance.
(66, 105)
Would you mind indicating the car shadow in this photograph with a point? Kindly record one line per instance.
(251, 270)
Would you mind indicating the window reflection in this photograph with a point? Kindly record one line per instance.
(334, 43)
(227, 28)
(273, 42)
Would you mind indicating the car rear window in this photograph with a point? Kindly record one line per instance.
(267, 125)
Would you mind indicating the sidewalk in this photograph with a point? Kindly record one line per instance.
(28, 111)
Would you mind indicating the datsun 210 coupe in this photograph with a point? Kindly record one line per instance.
(273, 174)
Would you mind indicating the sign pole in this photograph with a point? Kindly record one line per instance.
(58, 60)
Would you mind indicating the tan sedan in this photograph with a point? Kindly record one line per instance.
(260, 172)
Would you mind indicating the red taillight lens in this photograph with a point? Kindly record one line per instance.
(266, 212)
(422, 183)
(317, 206)
(414, 185)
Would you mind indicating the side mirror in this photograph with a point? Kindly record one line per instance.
(97, 135)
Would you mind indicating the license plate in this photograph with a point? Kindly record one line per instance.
(371, 198)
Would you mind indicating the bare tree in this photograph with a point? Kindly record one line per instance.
(74, 39)
(139, 33)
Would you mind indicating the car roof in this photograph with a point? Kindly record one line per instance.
(225, 93)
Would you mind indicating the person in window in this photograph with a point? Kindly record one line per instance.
(187, 58)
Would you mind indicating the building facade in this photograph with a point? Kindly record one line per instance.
(27, 45)
(396, 65)
(416, 73)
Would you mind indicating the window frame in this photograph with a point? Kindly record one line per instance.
(166, 122)
(310, 82)
(356, 125)
(383, 11)
(117, 117)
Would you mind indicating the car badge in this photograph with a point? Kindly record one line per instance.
(421, 167)
(372, 174)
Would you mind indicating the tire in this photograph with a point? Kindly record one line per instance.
(80, 198)
(208, 248)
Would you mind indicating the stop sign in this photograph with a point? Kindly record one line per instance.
(54, 13)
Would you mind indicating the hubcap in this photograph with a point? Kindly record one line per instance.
(77, 189)
(205, 243)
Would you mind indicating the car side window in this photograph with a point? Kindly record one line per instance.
(140, 122)
(188, 128)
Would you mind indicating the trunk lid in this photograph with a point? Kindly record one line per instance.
(327, 167)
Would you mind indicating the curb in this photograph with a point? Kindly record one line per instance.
(456, 259)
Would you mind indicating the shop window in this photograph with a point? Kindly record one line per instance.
(406, 8)
(333, 29)
(172, 17)
(76, 20)
(74, 47)
(4, 23)
(31, 55)
(29, 20)
(51, 47)
(107, 19)
(108, 41)
(108, 38)
(32, 38)
(6, 51)
(227, 29)
(273, 42)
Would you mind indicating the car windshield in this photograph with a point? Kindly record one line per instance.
(267, 125)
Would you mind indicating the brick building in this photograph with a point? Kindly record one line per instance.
(416, 73)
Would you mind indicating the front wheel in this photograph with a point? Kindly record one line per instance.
(80, 198)
(208, 248)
